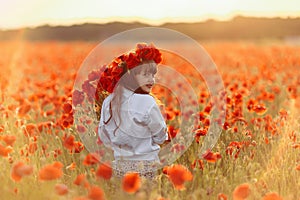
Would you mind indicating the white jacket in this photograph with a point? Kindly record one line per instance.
(142, 127)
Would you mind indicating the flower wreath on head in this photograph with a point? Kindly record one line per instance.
(125, 62)
(113, 72)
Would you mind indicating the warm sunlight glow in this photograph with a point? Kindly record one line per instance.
(20, 13)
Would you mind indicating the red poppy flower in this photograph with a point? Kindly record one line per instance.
(131, 60)
(4, 151)
(272, 196)
(96, 193)
(31, 130)
(177, 148)
(1, 128)
(78, 147)
(51, 171)
(241, 192)
(67, 107)
(222, 196)
(94, 75)
(107, 81)
(200, 132)
(170, 115)
(68, 141)
(259, 109)
(8, 139)
(104, 171)
(172, 132)
(45, 125)
(178, 175)
(211, 157)
(77, 98)
(81, 181)
(81, 129)
(91, 159)
(131, 182)
(226, 125)
(61, 189)
(24, 109)
(19, 170)
(148, 52)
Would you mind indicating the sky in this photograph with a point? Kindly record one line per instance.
(31, 13)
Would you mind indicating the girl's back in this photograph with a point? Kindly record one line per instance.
(138, 129)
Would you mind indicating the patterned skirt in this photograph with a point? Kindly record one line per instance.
(145, 168)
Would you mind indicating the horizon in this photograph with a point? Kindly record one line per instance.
(144, 21)
(36, 13)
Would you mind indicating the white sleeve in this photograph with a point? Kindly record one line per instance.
(157, 125)
(103, 134)
(104, 137)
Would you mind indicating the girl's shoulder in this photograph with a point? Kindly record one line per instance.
(143, 101)
(146, 98)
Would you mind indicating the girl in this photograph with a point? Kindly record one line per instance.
(130, 122)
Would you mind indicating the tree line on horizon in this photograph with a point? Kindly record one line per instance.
(237, 28)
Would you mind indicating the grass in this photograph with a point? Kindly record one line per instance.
(265, 166)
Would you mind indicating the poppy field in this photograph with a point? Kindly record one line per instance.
(257, 155)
